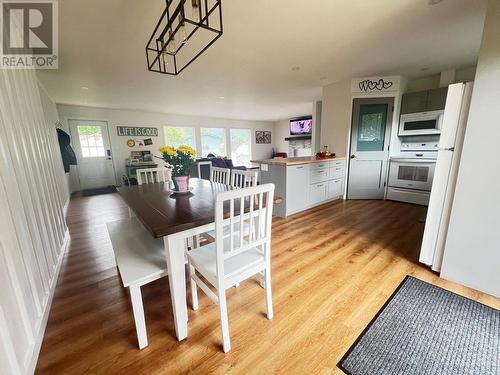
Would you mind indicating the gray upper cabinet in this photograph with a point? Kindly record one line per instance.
(436, 99)
(424, 101)
(413, 102)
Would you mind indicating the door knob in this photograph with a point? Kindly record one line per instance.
(353, 156)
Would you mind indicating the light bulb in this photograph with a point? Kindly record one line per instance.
(165, 57)
(171, 46)
(196, 10)
(183, 33)
(182, 30)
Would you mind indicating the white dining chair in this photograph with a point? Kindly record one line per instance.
(219, 175)
(231, 260)
(243, 178)
(199, 167)
(153, 175)
(239, 179)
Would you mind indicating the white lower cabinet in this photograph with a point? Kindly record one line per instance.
(335, 188)
(318, 193)
(297, 195)
(306, 185)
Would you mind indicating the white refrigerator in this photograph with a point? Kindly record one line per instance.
(445, 175)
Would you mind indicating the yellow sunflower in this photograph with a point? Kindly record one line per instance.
(187, 150)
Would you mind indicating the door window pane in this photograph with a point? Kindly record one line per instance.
(240, 146)
(179, 135)
(91, 141)
(371, 127)
(213, 141)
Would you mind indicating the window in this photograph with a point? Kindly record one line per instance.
(91, 142)
(179, 135)
(240, 146)
(213, 141)
(371, 127)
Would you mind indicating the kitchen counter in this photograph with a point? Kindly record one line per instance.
(296, 161)
(303, 182)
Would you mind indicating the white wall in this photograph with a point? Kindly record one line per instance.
(33, 231)
(121, 151)
(281, 131)
(336, 116)
(432, 81)
(472, 252)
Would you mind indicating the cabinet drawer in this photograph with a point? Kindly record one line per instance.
(337, 163)
(318, 193)
(335, 188)
(337, 172)
(319, 175)
(322, 165)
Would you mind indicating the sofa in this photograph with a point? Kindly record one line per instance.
(216, 161)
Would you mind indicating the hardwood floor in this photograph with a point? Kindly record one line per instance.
(333, 268)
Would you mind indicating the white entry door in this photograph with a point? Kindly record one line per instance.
(93, 151)
(370, 137)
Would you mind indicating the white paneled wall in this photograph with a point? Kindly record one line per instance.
(33, 232)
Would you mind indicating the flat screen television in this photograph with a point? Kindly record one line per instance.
(301, 126)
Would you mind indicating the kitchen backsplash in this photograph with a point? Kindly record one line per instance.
(300, 147)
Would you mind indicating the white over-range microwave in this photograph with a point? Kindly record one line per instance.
(422, 123)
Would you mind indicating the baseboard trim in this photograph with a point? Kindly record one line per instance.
(41, 333)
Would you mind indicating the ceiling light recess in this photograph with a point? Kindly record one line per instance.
(185, 30)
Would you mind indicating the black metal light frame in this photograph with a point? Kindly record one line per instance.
(157, 44)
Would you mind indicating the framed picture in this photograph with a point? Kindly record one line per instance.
(262, 137)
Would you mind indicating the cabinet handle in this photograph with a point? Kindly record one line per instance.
(299, 167)
(320, 171)
(320, 185)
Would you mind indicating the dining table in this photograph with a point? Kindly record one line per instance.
(176, 217)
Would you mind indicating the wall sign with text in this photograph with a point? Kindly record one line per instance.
(136, 131)
(368, 85)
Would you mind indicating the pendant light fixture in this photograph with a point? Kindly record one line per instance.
(185, 30)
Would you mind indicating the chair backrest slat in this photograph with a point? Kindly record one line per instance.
(254, 202)
(219, 175)
(153, 175)
(242, 179)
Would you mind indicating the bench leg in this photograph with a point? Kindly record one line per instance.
(140, 322)
(174, 249)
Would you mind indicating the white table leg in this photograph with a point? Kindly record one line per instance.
(138, 309)
(174, 248)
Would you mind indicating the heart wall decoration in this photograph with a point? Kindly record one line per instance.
(369, 85)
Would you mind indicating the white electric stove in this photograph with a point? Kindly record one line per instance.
(411, 172)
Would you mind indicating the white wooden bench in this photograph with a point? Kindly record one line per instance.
(141, 260)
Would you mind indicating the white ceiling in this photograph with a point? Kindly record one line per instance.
(102, 44)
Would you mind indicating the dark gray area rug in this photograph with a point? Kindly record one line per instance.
(99, 191)
(424, 329)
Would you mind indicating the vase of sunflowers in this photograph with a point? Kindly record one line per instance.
(180, 160)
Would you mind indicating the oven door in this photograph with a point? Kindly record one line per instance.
(412, 174)
(421, 123)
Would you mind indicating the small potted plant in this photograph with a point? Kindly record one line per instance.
(180, 160)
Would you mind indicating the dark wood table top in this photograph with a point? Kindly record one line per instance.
(163, 214)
